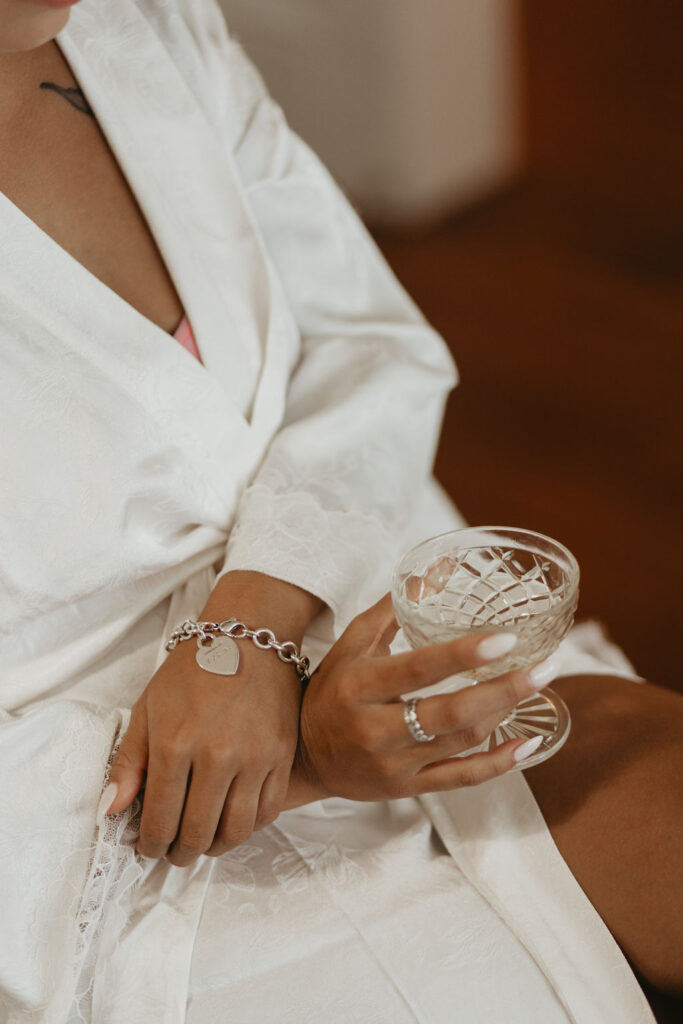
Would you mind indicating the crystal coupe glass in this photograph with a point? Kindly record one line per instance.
(495, 579)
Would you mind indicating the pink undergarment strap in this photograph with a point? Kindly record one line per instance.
(184, 334)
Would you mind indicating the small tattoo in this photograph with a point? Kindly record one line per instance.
(74, 96)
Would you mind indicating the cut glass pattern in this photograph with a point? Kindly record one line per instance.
(489, 580)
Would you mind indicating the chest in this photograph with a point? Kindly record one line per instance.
(57, 168)
(74, 221)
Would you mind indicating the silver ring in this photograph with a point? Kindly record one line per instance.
(413, 722)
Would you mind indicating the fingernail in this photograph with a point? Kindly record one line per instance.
(496, 646)
(106, 800)
(527, 749)
(542, 674)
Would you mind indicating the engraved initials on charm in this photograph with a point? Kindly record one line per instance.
(221, 656)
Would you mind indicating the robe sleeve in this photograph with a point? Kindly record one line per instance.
(342, 476)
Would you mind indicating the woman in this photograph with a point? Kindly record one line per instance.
(150, 187)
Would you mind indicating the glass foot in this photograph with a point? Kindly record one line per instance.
(543, 714)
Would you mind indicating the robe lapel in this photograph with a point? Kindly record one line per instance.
(184, 182)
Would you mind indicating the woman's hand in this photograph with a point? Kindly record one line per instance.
(216, 751)
(354, 741)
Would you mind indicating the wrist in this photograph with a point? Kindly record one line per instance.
(259, 600)
(304, 785)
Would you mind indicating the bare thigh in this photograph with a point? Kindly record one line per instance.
(613, 801)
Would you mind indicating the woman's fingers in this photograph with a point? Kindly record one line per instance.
(216, 815)
(128, 769)
(452, 744)
(201, 815)
(272, 799)
(239, 814)
(162, 807)
(388, 677)
(467, 711)
(402, 673)
(474, 769)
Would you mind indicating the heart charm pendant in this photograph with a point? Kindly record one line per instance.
(221, 656)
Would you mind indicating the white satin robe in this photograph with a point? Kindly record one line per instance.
(131, 474)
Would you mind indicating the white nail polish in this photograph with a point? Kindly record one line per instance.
(496, 646)
(106, 800)
(528, 748)
(544, 673)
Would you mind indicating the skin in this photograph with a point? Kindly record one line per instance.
(611, 798)
(353, 738)
(185, 719)
(27, 24)
(216, 752)
(614, 805)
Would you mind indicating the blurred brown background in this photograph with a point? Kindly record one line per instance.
(561, 299)
(554, 270)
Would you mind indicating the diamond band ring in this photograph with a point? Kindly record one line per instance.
(413, 722)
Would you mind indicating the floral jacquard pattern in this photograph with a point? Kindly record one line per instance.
(301, 445)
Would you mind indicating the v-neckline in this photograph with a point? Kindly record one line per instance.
(159, 146)
(80, 268)
(93, 281)
(188, 187)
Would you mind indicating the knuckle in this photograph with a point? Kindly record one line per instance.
(255, 762)
(413, 673)
(266, 818)
(453, 717)
(215, 757)
(122, 760)
(364, 672)
(235, 835)
(468, 777)
(173, 750)
(356, 630)
(347, 691)
(516, 688)
(269, 810)
(365, 734)
(193, 841)
(473, 735)
(158, 834)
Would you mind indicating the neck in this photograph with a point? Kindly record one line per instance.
(20, 76)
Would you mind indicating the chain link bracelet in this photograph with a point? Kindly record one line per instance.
(217, 651)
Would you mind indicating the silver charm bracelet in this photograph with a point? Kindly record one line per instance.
(218, 652)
